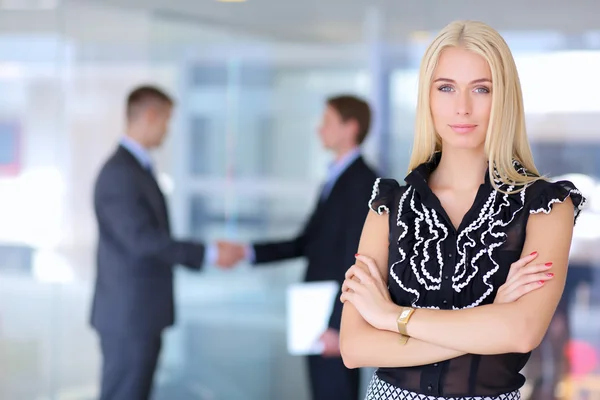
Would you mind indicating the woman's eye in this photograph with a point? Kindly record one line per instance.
(482, 90)
(445, 88)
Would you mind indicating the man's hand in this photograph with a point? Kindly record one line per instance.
(230, 254)
(331, 343)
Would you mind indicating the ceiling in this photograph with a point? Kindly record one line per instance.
(345, 20)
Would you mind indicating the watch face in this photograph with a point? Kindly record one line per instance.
(404, 314)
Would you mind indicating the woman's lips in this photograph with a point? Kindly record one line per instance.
(463, 128)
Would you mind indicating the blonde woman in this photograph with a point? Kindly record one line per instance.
(460, 270)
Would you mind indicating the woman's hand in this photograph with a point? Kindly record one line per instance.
(366, 290)
(523, 278)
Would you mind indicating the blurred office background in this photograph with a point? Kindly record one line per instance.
(243, 161)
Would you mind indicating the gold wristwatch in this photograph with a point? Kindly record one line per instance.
(403, 319)
(403, 339)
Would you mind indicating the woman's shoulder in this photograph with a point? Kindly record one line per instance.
(543, 194)
(385, 193)
(539, 194)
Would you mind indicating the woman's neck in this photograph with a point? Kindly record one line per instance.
(460, 169)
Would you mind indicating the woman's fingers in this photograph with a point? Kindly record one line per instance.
(370, 263)
(532, 269)
(529, 270)
(515, 294)
(374, 272)
(523, 261)
(539, 278)
(346, 296)
(358, 272)
(529, 279)
(350, 284)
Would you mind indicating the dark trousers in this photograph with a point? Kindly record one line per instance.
(331, 380)
(128, 366)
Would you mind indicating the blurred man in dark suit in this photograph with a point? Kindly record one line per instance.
(133, 299)
(329, 239)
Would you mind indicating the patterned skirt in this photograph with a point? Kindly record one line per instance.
(381, 390)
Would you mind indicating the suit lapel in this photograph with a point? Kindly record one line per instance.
(152, 191)
(335, 198)
(158, 199)
(338, 185)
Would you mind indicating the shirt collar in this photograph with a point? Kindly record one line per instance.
(337, 167)
(419, 177)
(140, 153)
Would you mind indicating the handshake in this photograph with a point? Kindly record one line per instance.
(230, 253)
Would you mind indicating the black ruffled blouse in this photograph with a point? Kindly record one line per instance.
(434, 265)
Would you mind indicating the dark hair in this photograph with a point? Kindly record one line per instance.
(142, 96)
(353, 108)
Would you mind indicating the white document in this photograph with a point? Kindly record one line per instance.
(309, 306)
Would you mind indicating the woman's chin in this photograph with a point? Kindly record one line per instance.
(463, 144)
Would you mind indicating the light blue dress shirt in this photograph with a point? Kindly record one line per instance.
(336, 169)
(140, 153)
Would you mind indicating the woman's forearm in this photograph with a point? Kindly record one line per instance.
(490, 329)
(365, 346)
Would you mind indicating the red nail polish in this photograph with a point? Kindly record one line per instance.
(534, 253)
(548, 264)
(550, 274)
(356, 255)
(541, 282)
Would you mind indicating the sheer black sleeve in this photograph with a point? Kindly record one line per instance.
(385, 192)
(545, 194)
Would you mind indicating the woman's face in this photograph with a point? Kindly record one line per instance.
(461, 98)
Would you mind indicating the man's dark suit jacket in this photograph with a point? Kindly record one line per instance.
(136, 253)
(330, 238)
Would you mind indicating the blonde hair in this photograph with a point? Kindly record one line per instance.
(506, 138)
